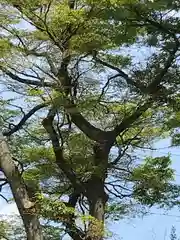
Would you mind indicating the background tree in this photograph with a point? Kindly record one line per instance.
(11, 228)
(173, 235)
(76, 95)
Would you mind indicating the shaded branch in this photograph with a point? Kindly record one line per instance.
(120, 72)
(27, 74)
(111, 192)
(117, 159)
(4, 198)
(46, 56)
(26, 81)
(46, 72)
(121, 153)
(2, 179)
(58, 150)
(24, 119)
(132, 118)
(71, 227)
(162, 27)
(86, 127)
(106, 86)
(16, 106)
(116, 193)
(152, 88)
(20, 164)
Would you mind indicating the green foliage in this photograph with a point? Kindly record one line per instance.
(116, 211)
(3, 229)
(151, 180)
(52, 232)
(176, 139)
(174, 123)
(12, 229)
(53, 209)
(35, 92)
(5, 47)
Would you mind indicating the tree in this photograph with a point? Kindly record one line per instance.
(85, 97)
(12, 229)
(3, 230)
(173, 235)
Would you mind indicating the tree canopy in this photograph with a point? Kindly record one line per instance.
(79, 102)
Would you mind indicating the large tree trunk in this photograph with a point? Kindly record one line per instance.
(97, 199)
(96, 194)
(32, 226)
(25, 206)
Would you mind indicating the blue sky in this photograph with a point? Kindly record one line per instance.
(156, 226)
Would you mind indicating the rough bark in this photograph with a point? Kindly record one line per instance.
(25, 206)
(96, 194)
(74, 232)
(97, 199)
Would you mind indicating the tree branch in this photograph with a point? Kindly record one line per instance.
(24, 119)
(106, 86)
(132, 118)
(26, 74)
(58, 151)
(74, 232)
(120, 72)
(152, 88)
(26, 81)
(4, 180)
(163, 27)
(86, 127)
(46, 56)
(4, 198)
